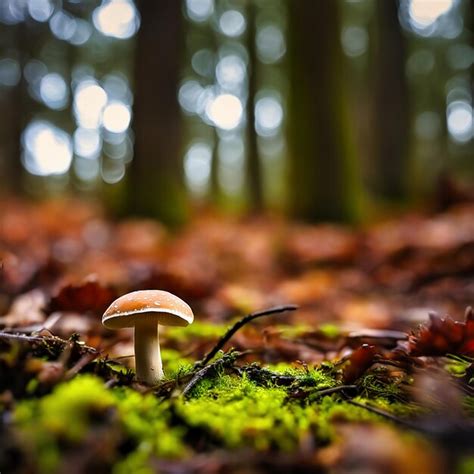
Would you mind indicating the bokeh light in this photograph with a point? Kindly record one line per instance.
(189, 94)
(47, 150)
(270, 44)
(89, 101)
(203, 62)
(40, 10)
(460, 122)
(87, 143)
(86, 169)
(116, 117)
(62, 25)
(230, 72)
(112, 171)
(34, 70)
(116, 18)
(54, 91)
(118, 146)
(12, 11)
(117, 88)
(425, 12)
(355, 41)
(231, 152)
(432, 17)
(197, 167)
(268, 116)
(9, 72)
(199, 10)
(225, 111)
(82, 33)
(232, 23)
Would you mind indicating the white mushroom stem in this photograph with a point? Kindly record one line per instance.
(147, 353)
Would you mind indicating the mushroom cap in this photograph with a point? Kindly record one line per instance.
(147, 306)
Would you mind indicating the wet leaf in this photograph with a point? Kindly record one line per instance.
(86, 296)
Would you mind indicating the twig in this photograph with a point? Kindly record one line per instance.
(328, 391)
(226, 361)
(383, 413)
(21, 337)
(264, 376)
(45, 340)
(238, 325)
(80, 364)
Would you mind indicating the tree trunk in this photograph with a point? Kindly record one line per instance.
(155, 178)
(253, 169)
(391, 129)
(471, 28)
(323, 174)
(12, 102)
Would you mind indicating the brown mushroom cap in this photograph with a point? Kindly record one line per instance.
(153, 306)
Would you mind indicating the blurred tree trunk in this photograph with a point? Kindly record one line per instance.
(11, 126)
(12, 102)
(471, 28)
(323, 173)
(215, 188)
(155, 179)
(253, 165)
(391, 129)
(215, 191)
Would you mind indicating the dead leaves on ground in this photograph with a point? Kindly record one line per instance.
(225, 266)
(443, 336)
(86, 296)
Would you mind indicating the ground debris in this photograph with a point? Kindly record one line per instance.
(345, 380)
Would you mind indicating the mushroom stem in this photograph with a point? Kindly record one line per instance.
(147, 353)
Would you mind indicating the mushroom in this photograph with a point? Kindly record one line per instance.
(145, 310)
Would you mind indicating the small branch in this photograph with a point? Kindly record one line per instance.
(386, 415)
(329, 391)
(45, 340)
(224, 362)
(198, 376)
(22, 337)
(238, 325)
(80, 364)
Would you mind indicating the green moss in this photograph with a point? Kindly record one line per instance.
(316, 378)
(68, 415)
(331, 331)
(379, 383)
(283, 367)
(254, 407)
(304, 376)
(174, 363)
(397, 408)
(146, 420)
(291, 331)
(197, 330)
(68, 410)
(459, 365)
(64, 415)
(236, 412)
(331, 409)
(466, 466)
(208, 331)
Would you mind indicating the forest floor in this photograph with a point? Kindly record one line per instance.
(357, 356)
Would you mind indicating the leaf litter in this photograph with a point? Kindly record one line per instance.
(357, 363)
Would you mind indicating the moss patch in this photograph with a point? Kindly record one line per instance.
(78, 410)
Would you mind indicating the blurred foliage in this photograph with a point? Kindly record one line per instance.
(67, 74)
